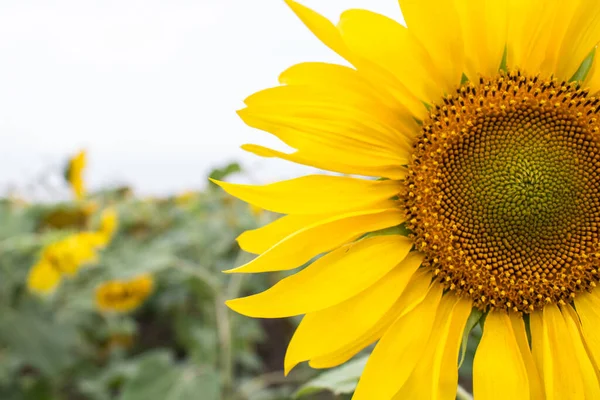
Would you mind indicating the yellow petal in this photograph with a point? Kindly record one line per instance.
(412, 296)
(320, 237)
(315, 194)
(43, 278)
(331, 329)
(259, 240)
(527, 19)
(498, 369)
(342, 163)
(536, 324)
(436, 24)
(339, 78)
(560, 370)
(535, 31)
(109, 223)
(536, 388)
(396, 354)
(338, 81)
(322, 28)
(331, 37)
(436, 374)
(75, 171)
(484, 27)
(342, 136)
(588, 309)
(588, 372)
(333, 278)
(593, 79)
(300, 115)
(563, 17)
(580, 38)
(392, 47)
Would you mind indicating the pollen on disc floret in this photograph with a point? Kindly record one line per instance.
(503, 192)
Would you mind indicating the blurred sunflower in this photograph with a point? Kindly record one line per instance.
(74, 174)
(124, 296)
(66, 256)
(482, 117)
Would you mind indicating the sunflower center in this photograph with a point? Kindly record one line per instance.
(504, 192)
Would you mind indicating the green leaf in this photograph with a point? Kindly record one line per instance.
(584, 68)
(471, 322)
(41, 343)
(160, 378)
(342, 380)
(222, 173)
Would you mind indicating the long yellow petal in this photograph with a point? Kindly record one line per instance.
(343, 136)
(526, 23)
(321, 237)
(331, 329)
(588, 371)
(351, 83)
(259, 240)
(318, 109)
(315, 194)
(592, 81)
(536, 388)
(436, 24)
(588, 309)
(536, 325)
(537, 29)
(341, 162)
(498, 369)
(391, 46)
(580, 38)
(343, 79)
(484, 27)
(412, 296)
(332, 38)
(560, 369)
(398, 351)
(563, 18)
(322, 28)
(436, 373)
(333, 278)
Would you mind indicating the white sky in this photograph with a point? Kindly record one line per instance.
(149, 87)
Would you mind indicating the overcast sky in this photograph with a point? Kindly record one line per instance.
(148, 87)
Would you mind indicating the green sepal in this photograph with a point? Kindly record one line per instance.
(584, 68)
(394, 230)
(471, 322)
(504, 62)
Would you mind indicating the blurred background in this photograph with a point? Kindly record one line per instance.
(149, 87)
(112, 240)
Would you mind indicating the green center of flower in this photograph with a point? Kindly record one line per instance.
(504, 192)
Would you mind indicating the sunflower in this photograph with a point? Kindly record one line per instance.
(481, 120)
(74, 174)
(64, 258)
(124, 295)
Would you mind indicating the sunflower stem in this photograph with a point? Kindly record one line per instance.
(224, 332)
(226, 355)
(463, 394)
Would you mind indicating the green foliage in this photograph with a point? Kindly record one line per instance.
(341, 380)
(222, 173)
(182, 343)
(157, 376)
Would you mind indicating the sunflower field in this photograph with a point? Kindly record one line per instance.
(113, 296)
